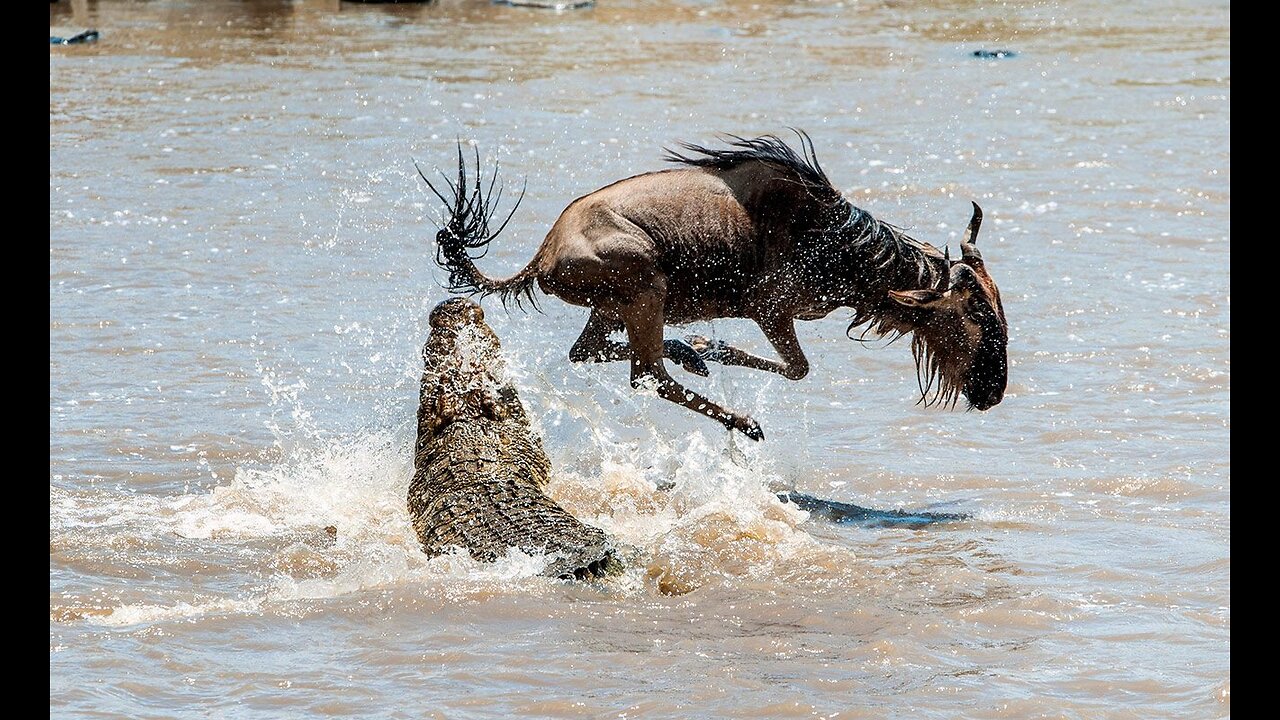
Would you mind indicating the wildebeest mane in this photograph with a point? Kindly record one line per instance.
(890, 259)
(768, 149)
(876, 256)
(886, 250)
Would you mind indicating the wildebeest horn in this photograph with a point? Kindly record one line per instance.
(969, 243)
(944, 277)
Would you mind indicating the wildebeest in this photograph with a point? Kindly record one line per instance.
(754, 230)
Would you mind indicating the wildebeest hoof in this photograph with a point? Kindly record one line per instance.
(686, 356)
(749, 427)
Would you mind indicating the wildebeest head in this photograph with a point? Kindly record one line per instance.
(960, 339)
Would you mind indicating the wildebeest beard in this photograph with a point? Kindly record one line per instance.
(951, 359)
(943, 354)
(941, 350)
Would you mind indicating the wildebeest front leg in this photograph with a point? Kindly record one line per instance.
(781, 333)
(594, 345)
(643, 322)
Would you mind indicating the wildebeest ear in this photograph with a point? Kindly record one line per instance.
(917, 298)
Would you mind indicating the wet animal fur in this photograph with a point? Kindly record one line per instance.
(755, 230)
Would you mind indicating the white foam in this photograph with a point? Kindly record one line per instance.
(357, 484)
(714, 517)
(137, 614)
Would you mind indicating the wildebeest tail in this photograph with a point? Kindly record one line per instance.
(470, 206)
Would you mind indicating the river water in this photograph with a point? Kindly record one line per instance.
(239, 277)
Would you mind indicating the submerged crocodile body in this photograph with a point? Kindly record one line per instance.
(479, 469)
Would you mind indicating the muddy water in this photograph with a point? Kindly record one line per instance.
(239, 277)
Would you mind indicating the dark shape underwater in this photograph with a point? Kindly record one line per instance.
(848, 514)
(994, 54)
(87, 36)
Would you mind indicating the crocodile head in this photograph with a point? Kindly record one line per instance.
(465, 373)
(480, 469)
(457, 312)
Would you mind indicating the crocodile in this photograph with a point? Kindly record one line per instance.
(480, 471)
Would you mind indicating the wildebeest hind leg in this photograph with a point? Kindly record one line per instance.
(594, 345)
(781, 334)
(643, 321)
